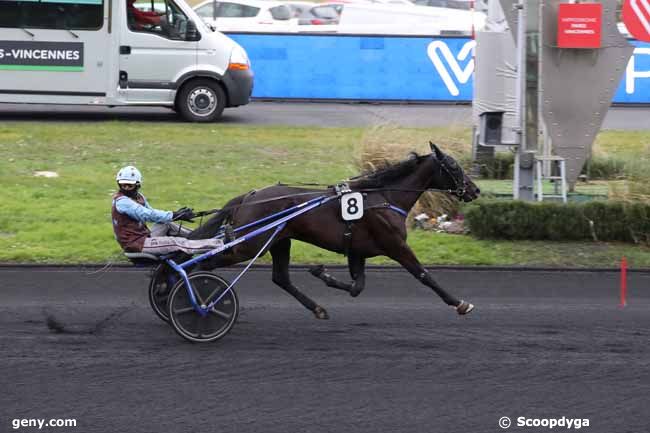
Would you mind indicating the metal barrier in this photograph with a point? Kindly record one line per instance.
(387, 68)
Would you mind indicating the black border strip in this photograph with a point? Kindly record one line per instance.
(43, 92)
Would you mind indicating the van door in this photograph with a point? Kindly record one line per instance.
(154, 51)
(54, 51)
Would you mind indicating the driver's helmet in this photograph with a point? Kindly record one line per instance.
(129, 175)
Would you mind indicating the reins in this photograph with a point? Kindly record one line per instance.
(458, 191)
(268, 200)
(282, 197)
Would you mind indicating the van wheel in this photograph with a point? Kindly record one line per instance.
(201, 101)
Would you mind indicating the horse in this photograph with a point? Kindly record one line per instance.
(389, 193)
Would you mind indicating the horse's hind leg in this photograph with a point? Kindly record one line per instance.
(280, 253)
(356, 266)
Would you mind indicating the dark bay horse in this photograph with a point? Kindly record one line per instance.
(389, 194)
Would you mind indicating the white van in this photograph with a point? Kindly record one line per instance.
(119, 52)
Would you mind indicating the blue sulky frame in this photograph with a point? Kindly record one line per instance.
(282, 218)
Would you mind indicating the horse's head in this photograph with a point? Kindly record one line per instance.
(452, 177)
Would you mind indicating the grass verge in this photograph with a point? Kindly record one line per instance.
(66, 219)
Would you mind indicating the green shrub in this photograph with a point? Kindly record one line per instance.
(604, 168)
(604, 221)
(499, 167)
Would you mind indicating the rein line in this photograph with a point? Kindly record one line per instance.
(282, 197)
(448, 191)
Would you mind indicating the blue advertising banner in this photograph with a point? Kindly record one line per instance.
(635, 86)
(400, 68)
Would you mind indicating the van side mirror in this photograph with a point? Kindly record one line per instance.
(191, 32)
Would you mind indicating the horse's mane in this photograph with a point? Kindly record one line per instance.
(388, 173)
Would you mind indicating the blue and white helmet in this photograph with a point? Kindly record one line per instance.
(129, 175)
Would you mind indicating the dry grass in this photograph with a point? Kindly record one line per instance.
(630, 191)
(636, 187)
(386, 144)
(632, 148)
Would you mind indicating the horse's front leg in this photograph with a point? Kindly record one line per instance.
(356, 265)
(403, 254)
(395, 247)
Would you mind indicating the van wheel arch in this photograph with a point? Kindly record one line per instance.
(201, 99)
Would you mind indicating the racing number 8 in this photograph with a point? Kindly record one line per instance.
(352, 206)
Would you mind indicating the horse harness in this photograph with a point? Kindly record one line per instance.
(343, 188)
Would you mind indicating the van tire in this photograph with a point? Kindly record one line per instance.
(201, 100)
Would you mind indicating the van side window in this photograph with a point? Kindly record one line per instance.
(52, 14)
(207, 11)
(282, 12)
(163, 18)
(236, 10)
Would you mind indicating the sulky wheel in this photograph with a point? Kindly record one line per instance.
(162, 282)
(188, 322)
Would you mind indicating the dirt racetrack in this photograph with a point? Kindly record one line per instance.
(543, 344)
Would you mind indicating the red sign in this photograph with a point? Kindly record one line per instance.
(636, 16)
(579, 25)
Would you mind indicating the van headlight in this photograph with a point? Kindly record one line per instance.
(239, 59)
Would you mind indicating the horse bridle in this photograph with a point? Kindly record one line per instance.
(460, 187)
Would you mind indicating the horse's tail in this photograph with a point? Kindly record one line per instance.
(212, 226)
(228, 210)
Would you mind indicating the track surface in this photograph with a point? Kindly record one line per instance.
(539, 344)
(304, 114)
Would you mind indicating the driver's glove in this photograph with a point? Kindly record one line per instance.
(183, 214)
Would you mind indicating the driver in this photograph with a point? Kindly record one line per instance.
(130, 211)
(141, 18)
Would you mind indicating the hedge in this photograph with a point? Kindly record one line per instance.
(502, 165)
(597, 220)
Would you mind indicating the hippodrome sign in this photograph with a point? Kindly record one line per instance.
(579, 25)
(636, 16)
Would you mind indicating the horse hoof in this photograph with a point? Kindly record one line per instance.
(320, 313)
(317, 271)
(464, 308)
(355, 293)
